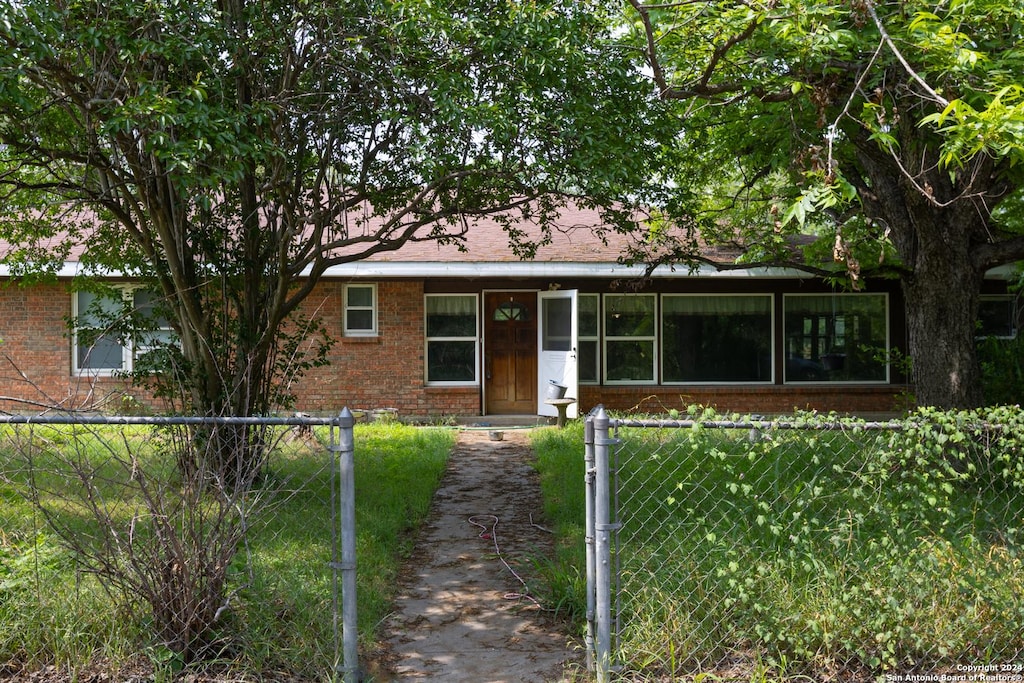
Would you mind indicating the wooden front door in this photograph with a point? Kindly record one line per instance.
(510, 353)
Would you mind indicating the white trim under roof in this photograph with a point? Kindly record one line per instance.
(543, 269)
(394, 269)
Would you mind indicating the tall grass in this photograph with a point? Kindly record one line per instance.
(810, 551)
(281, 616)
(561, 466)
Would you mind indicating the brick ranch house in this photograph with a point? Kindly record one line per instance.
(432, 331)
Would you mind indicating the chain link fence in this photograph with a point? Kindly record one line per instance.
(823, 549)
(192, 534)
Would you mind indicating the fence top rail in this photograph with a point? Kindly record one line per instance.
(65, 419)
(756, 424)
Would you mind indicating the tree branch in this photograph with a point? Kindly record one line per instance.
(899, 55)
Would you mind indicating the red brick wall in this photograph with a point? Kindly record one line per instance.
(381, 372)
(35, 356)
(385, 371)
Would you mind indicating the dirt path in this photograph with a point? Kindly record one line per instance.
(457, 617)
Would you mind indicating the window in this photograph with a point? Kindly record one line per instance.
(360, 310)
(589, 324)
(97, 350)
(511, 311)
(997, 317)
(557, 328)
(629, 337)
(716, 338)
(155, 335)
(452, 332)
(836, 337)
(117, 332)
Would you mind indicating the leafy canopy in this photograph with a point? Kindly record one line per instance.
(793, 107)
(232, 151)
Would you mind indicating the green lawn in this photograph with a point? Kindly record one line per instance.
(280, 616)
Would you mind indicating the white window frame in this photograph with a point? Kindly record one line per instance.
(76, 312)
(130, 351)
(162, 334)
(475, 339)
(771, 338)
(346, 307)
(652, 338)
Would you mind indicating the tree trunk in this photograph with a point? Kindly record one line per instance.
(941, 313)
(935, 230)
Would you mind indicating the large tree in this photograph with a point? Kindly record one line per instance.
(884, 127)
(232, 151)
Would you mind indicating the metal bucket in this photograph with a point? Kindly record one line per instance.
(555, 390)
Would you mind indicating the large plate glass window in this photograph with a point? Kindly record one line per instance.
(630, 328)
(710, 338)
(589, 326)
(360, 310)
(836, 337)
(452, 332)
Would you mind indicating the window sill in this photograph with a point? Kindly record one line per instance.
(361, 339)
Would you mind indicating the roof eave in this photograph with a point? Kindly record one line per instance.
(516, 269)
(533, 269)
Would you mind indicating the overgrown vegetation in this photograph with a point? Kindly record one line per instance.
(560, 463)
(59, 608)
(1002, 370)
(822, 551)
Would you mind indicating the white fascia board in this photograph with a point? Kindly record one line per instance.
(409, 269)
(72, 269)
(523, 269)
(413, 269)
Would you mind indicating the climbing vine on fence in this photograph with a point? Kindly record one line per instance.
(822, 544)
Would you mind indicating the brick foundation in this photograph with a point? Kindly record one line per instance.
(770, 399)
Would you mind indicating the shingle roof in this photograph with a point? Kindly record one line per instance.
(578, 235)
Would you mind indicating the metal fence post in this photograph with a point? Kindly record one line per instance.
(588, 459)
(602, 546)
(347, 527)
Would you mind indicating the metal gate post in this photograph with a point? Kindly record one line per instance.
(347, 527)
(602, 546)
(588, 459)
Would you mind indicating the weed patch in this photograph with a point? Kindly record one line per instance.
(818, 548)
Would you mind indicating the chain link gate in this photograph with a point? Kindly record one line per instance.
(836, 550)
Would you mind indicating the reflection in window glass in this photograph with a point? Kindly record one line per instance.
(117, 331)
(997, 316)
(95, 348)
(157, 336)
(629, 344)
(717, 338)
(589, 323)
(451, 329)
(836, 338)
(557, 328)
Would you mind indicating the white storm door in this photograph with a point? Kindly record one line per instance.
(558, 341)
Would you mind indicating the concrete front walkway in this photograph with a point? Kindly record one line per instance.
(461, 615)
